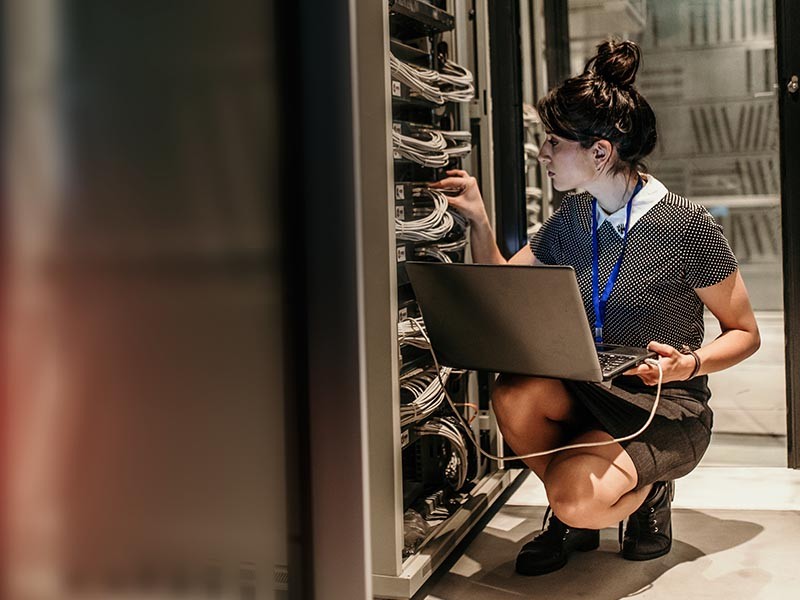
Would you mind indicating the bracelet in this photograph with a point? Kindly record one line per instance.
(687, 350)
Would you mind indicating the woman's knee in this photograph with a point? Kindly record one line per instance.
(575, 503)
(515, 396)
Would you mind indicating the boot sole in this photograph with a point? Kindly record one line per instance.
(560, 565)
(651, 556)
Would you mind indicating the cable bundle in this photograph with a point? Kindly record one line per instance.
(422, 81)
(410, 333)
(533, 193)
(437, 251)
(432, 148)
(456, 470)
(459, 143)
(427, 152)
(433, 226)
(427, 389)
(529, 115)
(459, 81)
(426, 83)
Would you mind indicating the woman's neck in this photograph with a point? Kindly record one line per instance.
(613, 192)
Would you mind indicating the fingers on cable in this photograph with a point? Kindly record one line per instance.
(455, 182)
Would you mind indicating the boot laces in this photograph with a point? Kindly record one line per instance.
(552, 530)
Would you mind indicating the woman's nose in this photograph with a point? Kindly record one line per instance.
(543, 154)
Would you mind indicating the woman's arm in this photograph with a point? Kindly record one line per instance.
(469, 203)
(730, 304)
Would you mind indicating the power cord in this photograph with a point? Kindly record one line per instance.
(477, 445)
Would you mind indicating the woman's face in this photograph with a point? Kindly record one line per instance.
(568, 164)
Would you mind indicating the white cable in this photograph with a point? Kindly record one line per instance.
(448, 430)
(457, 81)
(420, 80)
(435, 151)
(427, 152)
(459, 143)
(529, 115)
(408, 333)
(428, 390)
(434, 253)
(452, 246)
(533, 192)
(431, 227)
(562, 448)
(460, 81)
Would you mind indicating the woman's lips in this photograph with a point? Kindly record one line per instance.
(550, 174)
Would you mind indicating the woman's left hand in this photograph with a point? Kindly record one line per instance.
(675, 365)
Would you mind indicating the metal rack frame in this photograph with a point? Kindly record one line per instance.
(394, 577)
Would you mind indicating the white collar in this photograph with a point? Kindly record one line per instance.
(652, 191)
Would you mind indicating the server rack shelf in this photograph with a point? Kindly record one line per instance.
(417, 18)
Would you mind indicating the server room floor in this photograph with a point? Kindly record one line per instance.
(736, 526)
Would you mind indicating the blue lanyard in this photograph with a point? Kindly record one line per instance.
(600, 301)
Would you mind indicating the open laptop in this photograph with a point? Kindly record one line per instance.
(528, 320)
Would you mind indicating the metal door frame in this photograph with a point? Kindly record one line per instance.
(788, 53)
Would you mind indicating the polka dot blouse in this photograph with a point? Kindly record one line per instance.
(674, 248)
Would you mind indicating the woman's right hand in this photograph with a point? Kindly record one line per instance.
(467, 198)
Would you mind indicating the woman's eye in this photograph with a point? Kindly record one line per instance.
(553, 142)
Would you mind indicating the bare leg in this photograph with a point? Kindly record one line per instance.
(593, 487)
(589, 487)
(533, 414)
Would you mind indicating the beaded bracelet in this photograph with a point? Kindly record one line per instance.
(687, 350)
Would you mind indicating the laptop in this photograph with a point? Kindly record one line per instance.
(527, 320)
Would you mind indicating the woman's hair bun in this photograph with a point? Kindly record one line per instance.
(616, 62)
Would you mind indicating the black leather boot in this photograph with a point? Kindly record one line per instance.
(649, 531)
(549, 550)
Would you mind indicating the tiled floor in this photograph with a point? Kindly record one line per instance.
(737, 536)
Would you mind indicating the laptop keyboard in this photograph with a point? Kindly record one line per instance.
(609, 362)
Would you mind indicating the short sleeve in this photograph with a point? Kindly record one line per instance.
(708, 258)
(545, 243)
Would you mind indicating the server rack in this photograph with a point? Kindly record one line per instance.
(406, 463)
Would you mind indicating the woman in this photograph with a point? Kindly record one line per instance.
(647, 262)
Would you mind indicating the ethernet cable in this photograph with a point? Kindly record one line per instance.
(408, 333)
(434, 253)
(427, 152)
(427, 389)
(435, 151)
(434, 226)
(438, 251)
(459, 143)
(427, 83)
(529, 115)
(420, 80)
(460, 81)
(456, 469)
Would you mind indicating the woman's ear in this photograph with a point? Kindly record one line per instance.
(601, 154)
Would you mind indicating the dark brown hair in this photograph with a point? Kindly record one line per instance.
(602, 103)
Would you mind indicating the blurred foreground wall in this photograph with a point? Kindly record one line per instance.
(142, 365)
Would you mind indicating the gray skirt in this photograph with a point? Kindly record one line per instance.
(676, 439)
